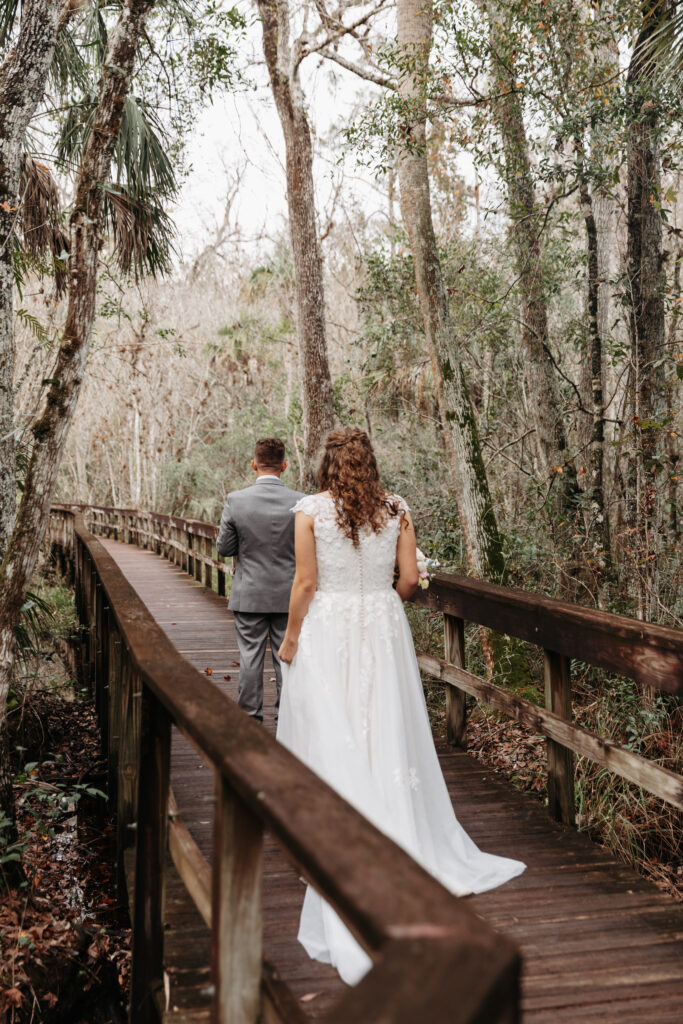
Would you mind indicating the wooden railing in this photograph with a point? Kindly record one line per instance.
(651, 655)
(434, 961)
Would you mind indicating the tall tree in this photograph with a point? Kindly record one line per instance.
(23, 75)
(646, 292)
(22, 82)
(86, 229)
(283, 59)
(554, 461)
(483, 544)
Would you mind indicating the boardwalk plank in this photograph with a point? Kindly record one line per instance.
(599, 942)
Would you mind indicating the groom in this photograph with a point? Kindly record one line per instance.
(257, 525)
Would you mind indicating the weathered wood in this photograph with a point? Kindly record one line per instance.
(236, 910)
(652, 655)
(558, 700)
(393, 992)
(147, 970)
(279, 1005)
(572, 895)
(208, 564)
(129, 754)
(189, 862)
(456, 707)
(652, 777)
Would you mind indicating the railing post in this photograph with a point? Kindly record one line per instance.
(130, 701)
(558, 700)
(236, 939)
(198, 547)
(147, 972)
(208, 571)
(456, 707)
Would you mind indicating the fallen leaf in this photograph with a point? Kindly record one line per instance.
(236, 663)
(51, 999)
(13, 997)
(209, 671)
(309, 997)
(227, 677)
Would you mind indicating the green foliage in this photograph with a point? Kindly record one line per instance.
(41, 805)
(36, 620)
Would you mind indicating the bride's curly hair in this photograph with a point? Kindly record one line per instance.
(348, 470)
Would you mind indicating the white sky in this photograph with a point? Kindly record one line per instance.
(241, 132)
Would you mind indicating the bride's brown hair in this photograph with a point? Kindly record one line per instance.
(348, 470)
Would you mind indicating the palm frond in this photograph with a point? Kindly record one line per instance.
(141, 162)
(140, 157)
(8, 15)
(74, 132)
(40, 216)
(68, 68)
(36, 617)
(96, 37)
(142, 232)
(662, 49)
(34, 325)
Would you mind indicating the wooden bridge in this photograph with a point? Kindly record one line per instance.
(218, 824)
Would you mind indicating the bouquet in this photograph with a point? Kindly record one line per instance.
(425, 568)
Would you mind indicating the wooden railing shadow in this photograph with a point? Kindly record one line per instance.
(434, 960)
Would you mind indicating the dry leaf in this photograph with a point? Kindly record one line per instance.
(227, 677)
(13, 997)
(209, 671)
(309, 997)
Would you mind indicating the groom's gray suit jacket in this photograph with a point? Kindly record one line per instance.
(257, 525)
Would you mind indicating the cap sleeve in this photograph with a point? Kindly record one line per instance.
(400, 503)
(307, 504)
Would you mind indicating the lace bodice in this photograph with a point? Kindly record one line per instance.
(343, 567)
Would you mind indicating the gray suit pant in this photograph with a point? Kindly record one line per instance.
(253, 630)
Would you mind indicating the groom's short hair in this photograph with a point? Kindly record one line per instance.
(269, 452)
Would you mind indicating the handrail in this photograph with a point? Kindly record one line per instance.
(428, 947)
(650, 654)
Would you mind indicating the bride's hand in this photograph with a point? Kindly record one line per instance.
(288, 650)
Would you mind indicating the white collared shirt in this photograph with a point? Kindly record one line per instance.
(267, 476)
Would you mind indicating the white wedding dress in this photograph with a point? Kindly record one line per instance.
(353, 710)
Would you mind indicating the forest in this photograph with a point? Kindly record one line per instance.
(478, 260)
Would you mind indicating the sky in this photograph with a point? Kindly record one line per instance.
(241, 133)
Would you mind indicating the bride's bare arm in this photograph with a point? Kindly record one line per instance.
(406, 559)
(303, 587)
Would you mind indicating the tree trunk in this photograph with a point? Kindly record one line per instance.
(50, 430)
(282, 60)
(483, 544)
(596, 514)
(672, 440)
(554, 462)
(22, 82)
(646, 287)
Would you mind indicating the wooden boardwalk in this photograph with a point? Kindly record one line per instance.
(599, 942)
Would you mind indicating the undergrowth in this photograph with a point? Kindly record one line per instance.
(637, 827)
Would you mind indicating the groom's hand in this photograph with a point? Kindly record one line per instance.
(288, 650)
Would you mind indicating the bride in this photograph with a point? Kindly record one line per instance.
(352, 706)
